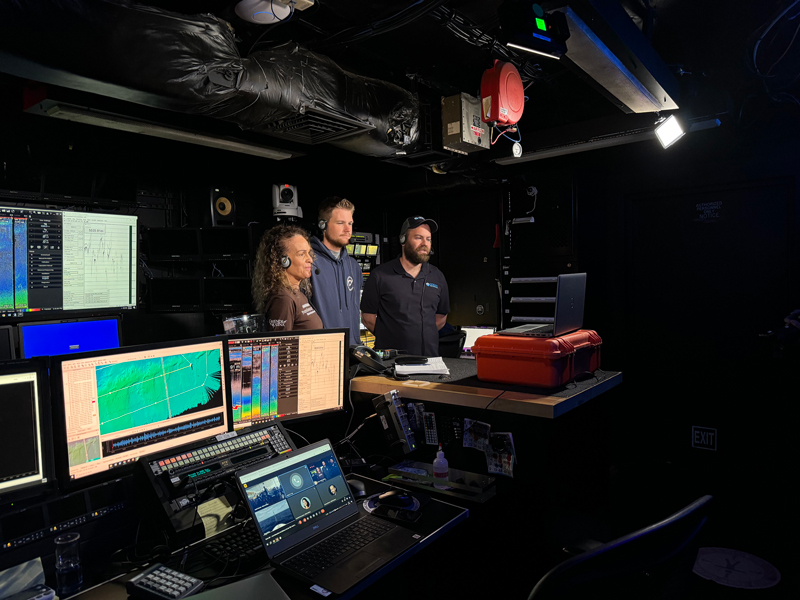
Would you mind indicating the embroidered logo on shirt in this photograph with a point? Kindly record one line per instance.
(277, 323)
(349, 283)
(433, 285)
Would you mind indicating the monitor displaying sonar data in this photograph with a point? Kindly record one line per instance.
(119, 405)
(287, 374)
(54, 260)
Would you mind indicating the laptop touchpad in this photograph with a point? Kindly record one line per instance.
(361, 561)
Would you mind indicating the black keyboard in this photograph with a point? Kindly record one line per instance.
(329, 551)
(238, 543)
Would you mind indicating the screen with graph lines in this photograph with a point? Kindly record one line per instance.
(119, 405)
(53, 260)
(286, 374)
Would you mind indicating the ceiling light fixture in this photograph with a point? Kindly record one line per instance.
(526, 49)
(120, 123)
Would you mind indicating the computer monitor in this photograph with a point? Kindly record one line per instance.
(25, 464)
(372, 250)
(287, 375)
(473, 333)
(113, 406)
(53, 260)
(68, 336)
(173, 243)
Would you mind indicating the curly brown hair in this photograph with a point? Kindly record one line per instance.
(269, 275)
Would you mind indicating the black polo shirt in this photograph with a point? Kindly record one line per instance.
(406, 307)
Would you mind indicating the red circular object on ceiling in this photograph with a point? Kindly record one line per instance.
(502, 94)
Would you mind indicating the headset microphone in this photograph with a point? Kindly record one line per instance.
(316, 269)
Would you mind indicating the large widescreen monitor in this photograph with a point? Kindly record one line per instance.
(287, 374)
(68, 336)
(53, 260)
(24, 427)
(114, 406)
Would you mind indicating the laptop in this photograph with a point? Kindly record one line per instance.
(303, 507)
(570, 295)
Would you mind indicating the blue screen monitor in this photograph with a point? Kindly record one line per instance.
(51, 338)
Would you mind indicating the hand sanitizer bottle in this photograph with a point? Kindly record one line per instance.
(440, 468)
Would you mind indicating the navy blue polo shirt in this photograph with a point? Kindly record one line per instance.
(406, 307)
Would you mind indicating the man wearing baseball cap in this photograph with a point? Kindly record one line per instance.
(406, 300)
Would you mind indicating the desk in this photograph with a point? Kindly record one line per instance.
(437, 518)
(468, 391)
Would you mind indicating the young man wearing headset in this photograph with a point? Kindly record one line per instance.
(406, 300)
(337, 279)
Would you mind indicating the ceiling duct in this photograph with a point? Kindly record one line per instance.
(191, 64)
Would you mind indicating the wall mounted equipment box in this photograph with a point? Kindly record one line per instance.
(463, 131)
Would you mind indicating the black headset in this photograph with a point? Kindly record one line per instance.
(322, 225)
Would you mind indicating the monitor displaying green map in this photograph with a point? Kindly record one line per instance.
(122, 404)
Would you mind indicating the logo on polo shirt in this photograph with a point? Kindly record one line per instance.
(350, 283)
(433, 285)
(277, 323)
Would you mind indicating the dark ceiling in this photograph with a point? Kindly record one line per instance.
(708, 46)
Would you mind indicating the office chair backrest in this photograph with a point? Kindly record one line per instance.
(661, 550)
(451, 345)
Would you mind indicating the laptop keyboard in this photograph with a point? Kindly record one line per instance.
(323, 555)
(240, 543)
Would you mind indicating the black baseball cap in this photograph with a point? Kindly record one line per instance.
(414, 222)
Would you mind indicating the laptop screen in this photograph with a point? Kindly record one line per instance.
(294, 496)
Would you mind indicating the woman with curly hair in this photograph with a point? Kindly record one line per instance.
(281, 284)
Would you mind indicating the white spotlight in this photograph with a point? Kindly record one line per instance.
(669, 131)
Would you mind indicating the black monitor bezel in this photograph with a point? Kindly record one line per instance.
(22, 326)
(59, 414)
(40, 367)
(294, 333)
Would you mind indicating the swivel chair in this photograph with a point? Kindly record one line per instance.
(651, 562)
(451, 345)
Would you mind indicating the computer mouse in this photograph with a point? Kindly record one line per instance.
(357, 487)
(396, 498)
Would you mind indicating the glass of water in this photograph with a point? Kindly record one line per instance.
(69, 576)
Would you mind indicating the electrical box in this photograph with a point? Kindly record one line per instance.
(463, 131)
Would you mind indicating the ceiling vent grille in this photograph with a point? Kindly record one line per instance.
(315, 126)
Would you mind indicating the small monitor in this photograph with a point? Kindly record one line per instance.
(227, 293)
(372, 250)
(287, 374)
(473, 333)
(173, 244)
(68, 336)
(360, 249)
(174, 294)
(350, 248)
(225, 243)
(113, 406)
(24, 428)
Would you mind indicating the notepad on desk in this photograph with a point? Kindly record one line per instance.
(434, 366)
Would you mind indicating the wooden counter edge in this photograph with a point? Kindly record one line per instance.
(550, 407)
(443, 393)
